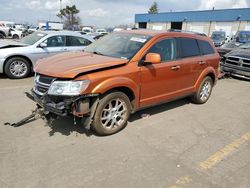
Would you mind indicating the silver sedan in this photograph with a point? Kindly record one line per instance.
(17, 58)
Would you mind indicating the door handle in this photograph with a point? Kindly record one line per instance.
(202, 62)
(177, 67)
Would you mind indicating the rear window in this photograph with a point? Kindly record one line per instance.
(77, 41)
(205, 47)
(187, 47)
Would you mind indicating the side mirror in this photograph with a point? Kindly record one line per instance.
(153, 58)
(43, 45)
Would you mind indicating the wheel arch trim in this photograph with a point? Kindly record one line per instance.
(209, 71)
(17, 55)
(119, 82)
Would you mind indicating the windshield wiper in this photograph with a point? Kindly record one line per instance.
(97, 53)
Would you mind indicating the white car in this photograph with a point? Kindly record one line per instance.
(87, 30)
(16, 34)
(101, 31)
(17, 58)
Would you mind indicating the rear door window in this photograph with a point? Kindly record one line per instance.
(77, 41)
(166, 49)
(205, 47)
(187, 47)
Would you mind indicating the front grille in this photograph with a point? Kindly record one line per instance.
(42, 89)
(42, 84)
(238, 62)
(45, 79)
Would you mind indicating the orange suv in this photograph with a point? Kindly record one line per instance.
(124, 72)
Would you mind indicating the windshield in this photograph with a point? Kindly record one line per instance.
(32, 38)
(120, 45)
(245, 46)
(245, 35)
(218, 36)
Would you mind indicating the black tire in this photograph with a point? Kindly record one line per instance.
(205, 88)
(15, 36)
(112, 115)
(22, 68)
(2, 36)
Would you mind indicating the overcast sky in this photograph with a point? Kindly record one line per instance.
(103, 13)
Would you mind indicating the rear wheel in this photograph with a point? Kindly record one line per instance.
(15, 36)
(204, 91)
(17, 68)
(111, 114)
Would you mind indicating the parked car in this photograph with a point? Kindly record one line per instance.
(33, 29)
(17, 58)
(20, 27)
(242, 36)
(87, 30)
(16, 34)
(218, 38)
(101, 31)
(118, 29)
(228, 47)
(4, 31)
(124, 72)
(237, 62)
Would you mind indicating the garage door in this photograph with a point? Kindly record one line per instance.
(224, 26)
(197, 27)
(157, 27)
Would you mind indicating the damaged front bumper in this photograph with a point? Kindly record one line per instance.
(63, 106)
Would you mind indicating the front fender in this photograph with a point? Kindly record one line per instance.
(205, 72)
(117, 82)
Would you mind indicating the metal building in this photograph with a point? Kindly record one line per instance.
(207, 21)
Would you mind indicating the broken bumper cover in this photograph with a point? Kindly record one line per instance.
(56, 108)
(62, 107)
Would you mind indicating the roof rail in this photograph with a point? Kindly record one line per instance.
(184, 31)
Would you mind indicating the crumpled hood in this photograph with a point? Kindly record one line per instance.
(245, 53)
(69, 65)
(10, 44)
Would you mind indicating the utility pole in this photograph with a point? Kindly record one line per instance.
(61, 8)
(60, 5)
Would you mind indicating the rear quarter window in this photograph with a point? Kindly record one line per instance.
(187, 47)
(205, 47)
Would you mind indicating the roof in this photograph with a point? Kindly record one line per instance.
(221, 15)
(65, 32)
(173, 33)
(143, 32)
(62, 32)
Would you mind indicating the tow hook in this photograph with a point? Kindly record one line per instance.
(36, 114)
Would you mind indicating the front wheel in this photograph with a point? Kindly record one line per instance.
(2, 36)
(111, 114)
(204, 91)
(17, 68)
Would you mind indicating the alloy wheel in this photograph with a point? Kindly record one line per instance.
(205, 91)
(114, 114)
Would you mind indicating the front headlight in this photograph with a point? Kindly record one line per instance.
(68, 88)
